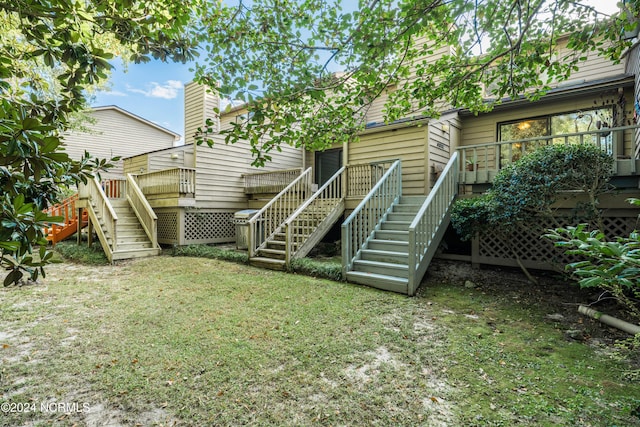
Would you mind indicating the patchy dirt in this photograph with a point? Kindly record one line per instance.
(554, 294)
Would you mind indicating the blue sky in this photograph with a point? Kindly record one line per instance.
(155, 90)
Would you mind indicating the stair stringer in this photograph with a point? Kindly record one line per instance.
(428, 227)
(103, 237)
(323, 228)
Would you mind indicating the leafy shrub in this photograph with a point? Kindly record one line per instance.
(321, 269)
(613, 266)
(524, 192)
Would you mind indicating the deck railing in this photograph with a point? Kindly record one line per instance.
(429, 224)
(181, 181)
(314, 214)
(66, 209)
(480, 163)
(272, 216)
(100, 207)
(269, 181)
(142, 209)
(114, 188)
(367, 215)
(362, 177)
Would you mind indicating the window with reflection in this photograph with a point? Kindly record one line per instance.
(559, 128)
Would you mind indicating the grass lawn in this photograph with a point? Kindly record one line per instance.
(201, 342)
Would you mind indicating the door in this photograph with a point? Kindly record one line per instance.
(327, 163)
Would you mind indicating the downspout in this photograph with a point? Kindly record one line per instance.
(609, 320)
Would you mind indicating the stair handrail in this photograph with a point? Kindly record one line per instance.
(142, 209)
(65, 209)
(366, 217)
(101, 208)
(430, 222)
(331, 192)
(271, 217)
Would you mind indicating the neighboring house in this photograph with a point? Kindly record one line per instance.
(213, 178)
(391, 191)
(117, 132)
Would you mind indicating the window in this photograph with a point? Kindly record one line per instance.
(557, 124)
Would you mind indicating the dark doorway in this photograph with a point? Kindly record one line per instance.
(327, 163)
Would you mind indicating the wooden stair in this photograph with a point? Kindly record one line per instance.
(69, 226)
(272, 255)
(383, 262)
(132, 241)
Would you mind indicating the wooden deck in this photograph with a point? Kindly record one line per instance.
(480, 163)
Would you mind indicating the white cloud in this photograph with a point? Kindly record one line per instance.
(113, 93)
(167, 90)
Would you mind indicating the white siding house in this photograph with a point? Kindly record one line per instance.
(117, 132)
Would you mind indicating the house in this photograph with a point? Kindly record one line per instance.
(390, 192)
(115, 132)
(110, 132)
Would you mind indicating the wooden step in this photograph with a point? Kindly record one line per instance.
(136, 253)
(385, 256)
(388, 245)
(272, 253)
(385, 268)
(130, 246)
(276, 244)
(380, 281)
(401, 216)
(395, 225)
(271, 264)
(400, 208)
(392, 235)
(412, 200)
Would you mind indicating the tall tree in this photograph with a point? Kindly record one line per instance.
(73, 41)
(309, 69)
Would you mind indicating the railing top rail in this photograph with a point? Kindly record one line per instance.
(163, 171)
(103, 195)
(548, 137)
(377, 162)
(449, 168)
(268, 172)
(303, 175)
(375, 188)
(315, 195)
(140, 195)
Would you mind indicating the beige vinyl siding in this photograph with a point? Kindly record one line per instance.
(407, 144)
(442, 141)
(594, 67)
(165, 159)
(484, 128)
(137, 164)
(219, 170)
(194, 111)
(116, 133)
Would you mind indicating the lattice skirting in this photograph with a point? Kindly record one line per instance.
(202, 226)
(184, 226)
(536, 252)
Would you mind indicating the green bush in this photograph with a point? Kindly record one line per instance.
(83, 254)
(523, 193)
(321, 269)
(213, 252)
(613, 266)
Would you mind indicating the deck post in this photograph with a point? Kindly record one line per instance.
(79, 231)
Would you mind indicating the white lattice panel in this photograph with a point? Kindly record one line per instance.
(536, 252)
(208, 227)
(168, 227)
